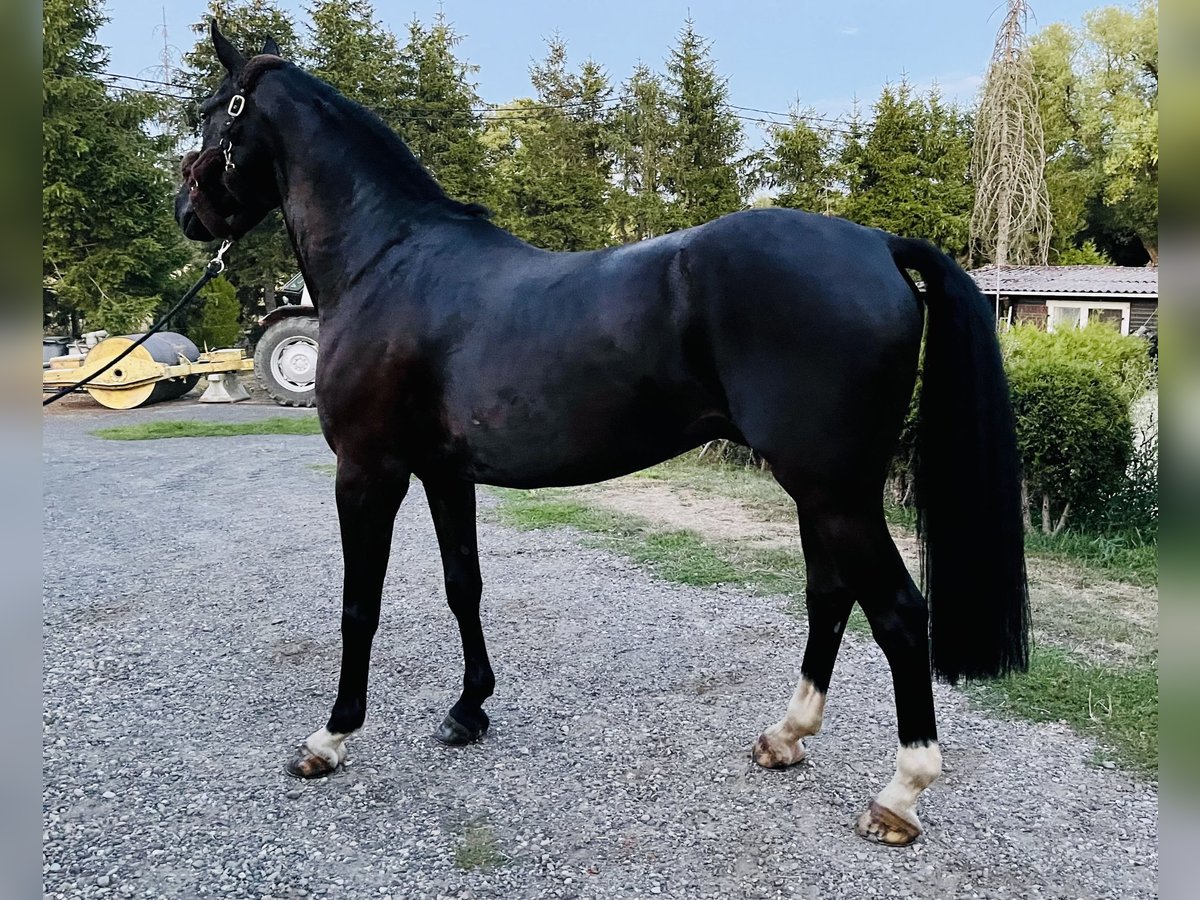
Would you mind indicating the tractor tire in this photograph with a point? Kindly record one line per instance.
(285, 361)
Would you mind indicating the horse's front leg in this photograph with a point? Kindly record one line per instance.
(452, 504)
(368, 498)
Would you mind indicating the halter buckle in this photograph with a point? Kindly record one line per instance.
(237, 104)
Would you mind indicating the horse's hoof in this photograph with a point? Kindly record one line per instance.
(454, 733)
(881, 825)
(306, 764)
(772, 753)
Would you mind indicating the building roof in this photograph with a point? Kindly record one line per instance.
(1095, 281)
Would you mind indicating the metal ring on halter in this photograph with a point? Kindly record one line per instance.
(237, 104)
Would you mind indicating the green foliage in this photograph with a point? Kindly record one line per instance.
(1086, 254)
(908, 171)
(1098, 88)
(701, 169)
(349, 48)
(109, 240)
(217, 325)
(642, 139)
(1122, 360)
(799, 164)
(556, 182)
(443, 125)
(1073, 434)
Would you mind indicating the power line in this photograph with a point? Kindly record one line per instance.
(517, 113)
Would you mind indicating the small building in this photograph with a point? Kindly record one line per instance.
(1052, 297)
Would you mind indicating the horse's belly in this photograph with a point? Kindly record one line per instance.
(545, 444)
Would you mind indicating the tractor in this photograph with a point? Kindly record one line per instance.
(285, 357)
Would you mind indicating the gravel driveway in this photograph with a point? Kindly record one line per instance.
(191, 615)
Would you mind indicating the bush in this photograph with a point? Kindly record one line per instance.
(1073, 432)
(1124, 360)
(217, 324)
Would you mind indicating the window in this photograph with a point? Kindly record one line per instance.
(1076, 313)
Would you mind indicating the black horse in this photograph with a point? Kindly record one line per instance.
(455, 352)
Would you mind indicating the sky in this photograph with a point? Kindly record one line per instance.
(775, 53)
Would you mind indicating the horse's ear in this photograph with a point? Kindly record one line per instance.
(269, 46)
(230, 57)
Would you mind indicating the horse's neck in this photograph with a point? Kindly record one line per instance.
(348, 195)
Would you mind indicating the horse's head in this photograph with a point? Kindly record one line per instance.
(229, 183)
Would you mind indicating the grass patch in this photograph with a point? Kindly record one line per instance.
(153, 431)
(324, 468)
(1128, 556)
(478, 849)
(678, 556)
(1118, 706)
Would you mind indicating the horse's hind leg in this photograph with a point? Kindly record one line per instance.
(829, 602)
(849, 556)
(899, 620)
(453, 507)
(367, 501)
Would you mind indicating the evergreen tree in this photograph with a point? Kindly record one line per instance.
(908, 171)
(702, 168)
(109, 240)
(264, 255)
(641, 135)
(798, 163)
(444, 125)
(558, 178)
(350, 49)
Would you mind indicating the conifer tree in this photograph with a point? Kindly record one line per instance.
(641, 135)
(444, 122)
(558, 182)
(110, 244)
(350, 49)
(798, 164)
(908, 171)
(702, 168)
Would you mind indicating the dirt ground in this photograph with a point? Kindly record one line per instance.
(1073, 608)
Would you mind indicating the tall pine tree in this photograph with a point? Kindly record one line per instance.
(109, 240)
(641, 136)
(349, 48)
(559, 176)
(798, 164)
(444, 123)
(702, 168)
(908, 170)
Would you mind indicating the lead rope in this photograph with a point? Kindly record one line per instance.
(215, 267)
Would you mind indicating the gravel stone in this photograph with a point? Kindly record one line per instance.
(191, 609)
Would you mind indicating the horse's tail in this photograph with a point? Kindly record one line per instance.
(968, 479)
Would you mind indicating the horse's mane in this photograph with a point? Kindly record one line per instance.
(419, 183)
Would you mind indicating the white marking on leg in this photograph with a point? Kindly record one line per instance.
(782, 743)
(917, 767)
(328, 745)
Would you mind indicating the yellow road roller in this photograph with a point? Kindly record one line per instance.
(165, 367)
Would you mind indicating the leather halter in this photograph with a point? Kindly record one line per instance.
(219, 214)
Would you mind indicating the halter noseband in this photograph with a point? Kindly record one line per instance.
(200, 167)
